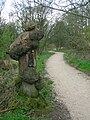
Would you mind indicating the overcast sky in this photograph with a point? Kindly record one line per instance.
(9, 7)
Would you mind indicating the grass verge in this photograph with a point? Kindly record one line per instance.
(41, 61)
(61, 50)
(76, 61)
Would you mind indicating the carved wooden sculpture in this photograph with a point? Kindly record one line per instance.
(24, 50)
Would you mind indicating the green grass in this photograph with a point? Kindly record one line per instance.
(33, 108)
(41, 61)
(76, 61)
(27, 109)
(19, 116)
(62, 50)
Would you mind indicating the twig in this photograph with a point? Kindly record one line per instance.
(3, 100)
(6, 110)
(9, 109)
(68, 12)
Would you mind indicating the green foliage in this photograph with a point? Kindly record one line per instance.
(41, 61)
(14, 116)
(87, 33)
(46, 92)
(76, 31)
(58, 34)
(19, 116)
(17, 80)
(75, 60)
(32, 108)
(14, 64)
(61, 50)
(8, 34)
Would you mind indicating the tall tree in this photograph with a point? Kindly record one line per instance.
(76, 26)
(58, 34)
(28, 10)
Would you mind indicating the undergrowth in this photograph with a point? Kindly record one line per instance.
(26, 108)
(77, 61)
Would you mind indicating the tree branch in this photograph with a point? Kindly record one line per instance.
(9, 109)
(2, 6)
(68, 12)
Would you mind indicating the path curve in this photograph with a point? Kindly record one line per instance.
(71, 86)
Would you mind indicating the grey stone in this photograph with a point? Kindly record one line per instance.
(29, 90)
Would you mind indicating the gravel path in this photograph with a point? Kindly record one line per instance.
(71, 86)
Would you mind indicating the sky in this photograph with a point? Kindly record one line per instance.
(7, 9)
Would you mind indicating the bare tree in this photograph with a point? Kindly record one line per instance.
(67, 6)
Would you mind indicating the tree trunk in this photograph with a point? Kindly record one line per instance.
(23, 63)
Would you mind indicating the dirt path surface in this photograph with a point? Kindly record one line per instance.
(71, 86)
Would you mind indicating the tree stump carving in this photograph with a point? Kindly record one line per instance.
(24, 50)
